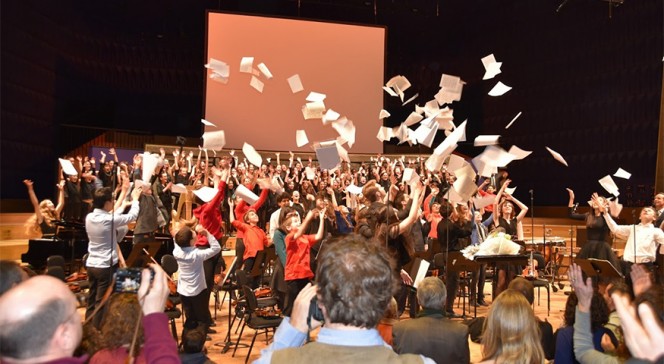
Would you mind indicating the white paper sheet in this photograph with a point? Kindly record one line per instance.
(295, 83)
(252, 156)
(265, 71)
(557, 156)
(483, 140)
(256, 84)
(247, 65)
(205, 193)
(621, 173)
(315, 96)
(609, 185)
(246, 194)
(513, 120)
(383, 114)
(205, 122)
(214, 140)
(499, 89)
(68, 167)
(301, 138)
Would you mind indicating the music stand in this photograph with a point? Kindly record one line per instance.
(598, 267)
(138, 258)
(459, 263)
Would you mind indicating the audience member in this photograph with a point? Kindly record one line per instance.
(11, 274)
(386, 324)
(354, 283)
(432, 334)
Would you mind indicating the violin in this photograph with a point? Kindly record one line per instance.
(531, 269)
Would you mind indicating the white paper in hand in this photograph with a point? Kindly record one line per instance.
(246, 195)
(609, 185)
(206, 194)
(67, 167)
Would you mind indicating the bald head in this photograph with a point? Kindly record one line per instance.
(39, 321)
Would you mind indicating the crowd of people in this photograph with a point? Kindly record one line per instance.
(347, 237)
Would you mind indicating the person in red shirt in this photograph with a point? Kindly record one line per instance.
(255, 239)
(241, 208)
(297, 272)
(209, 216)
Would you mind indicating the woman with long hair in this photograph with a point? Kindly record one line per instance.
(41, 223)
(511, 334)
(597, 229)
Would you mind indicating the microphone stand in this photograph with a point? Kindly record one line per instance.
(633, 236)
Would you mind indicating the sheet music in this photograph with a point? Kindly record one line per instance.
(421, 272)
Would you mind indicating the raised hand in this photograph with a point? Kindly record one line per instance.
(28, 183)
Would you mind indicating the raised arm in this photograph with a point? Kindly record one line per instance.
(522, 207)
(412, 214)
(33, 199)
(305, 223)
(61, 198)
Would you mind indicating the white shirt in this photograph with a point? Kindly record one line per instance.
(647, 238)
(191, 280)
(274, 222)
(102, 238)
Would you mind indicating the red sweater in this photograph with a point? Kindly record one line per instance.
(209, 216)
(298, 257)
(242, 209)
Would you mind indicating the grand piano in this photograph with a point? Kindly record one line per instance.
(71, 242)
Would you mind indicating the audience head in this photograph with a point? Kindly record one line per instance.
(119, 322)
(356, 281)
(284, 199)
(11, 274)
(648, 215)
(392, 310)
(193, 339)
(511, 333)
(525, 287)
(431, 293)
(39, 321)
(599, 311)
(250, 217)
(658, 201)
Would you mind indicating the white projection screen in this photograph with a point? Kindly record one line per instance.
(344, 62)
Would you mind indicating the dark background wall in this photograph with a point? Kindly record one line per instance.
(588, 85)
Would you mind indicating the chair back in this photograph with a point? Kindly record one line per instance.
(439, 260)
(169, 264)
(55, 261)
(56, 271)
(252, 302)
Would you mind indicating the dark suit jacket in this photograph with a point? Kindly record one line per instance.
(433, 336)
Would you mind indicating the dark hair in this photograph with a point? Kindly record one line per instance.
(356, 280)
(599, 311)
(119, 322)
(30, 337)
(183, 236)
(525, 287)
(193, 340)
(101, 196)
(284, 196)
(10, 275)
(655, 298)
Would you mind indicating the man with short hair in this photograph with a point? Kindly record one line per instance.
(355, 282)
(431, 333)
(39, 322)
(658, 204)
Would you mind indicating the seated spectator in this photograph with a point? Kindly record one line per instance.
(564, 335)
(11, 274)
(432, 334)
(193, 346)
(355, 283)
(118, 326)
(511, 333)
(39, 321)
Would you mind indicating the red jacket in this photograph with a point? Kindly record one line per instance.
(209, 216)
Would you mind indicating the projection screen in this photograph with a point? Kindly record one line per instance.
(344, 62)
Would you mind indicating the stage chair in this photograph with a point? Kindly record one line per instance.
(170, 266)
(256, 322)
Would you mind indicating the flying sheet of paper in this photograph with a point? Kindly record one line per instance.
(383, 114)
(346, 130)
(518, 153)
(483, 201)
(214, 76)
(256, 84)
(400, 83)
(266, 72)
(219, 67)
(246, 194)
(330, 115)
(205, 193)
(513, 120)
(390, 91)
(247, 65)
(434, 162)
(252, 156)
(450, 143)
(609, 185)
(621, 173)
(301, 138)
(178, 188)
(491, 67)
(149, 164)
(328, 156)
(499, 89)
(425, 135)
(410, 99)
(465, 183)
(483, 140)
(355, 190)
(557, 156)
(413, 118)
(295, 83)
(401, 132)
(497, 156)
(313, 110)
(484, 169)
(68, 167)
(410, 176)
(315, 96)
(384, 133)
(214, 140)
(455, 162)
(205, 122)
(510, 190)
(310, 173)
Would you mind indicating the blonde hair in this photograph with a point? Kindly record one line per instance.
(511, 334)
(32, 228)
